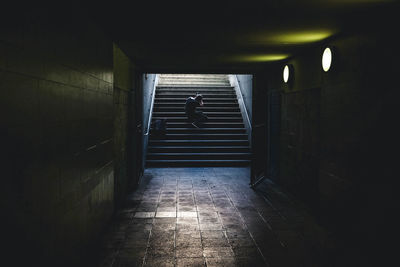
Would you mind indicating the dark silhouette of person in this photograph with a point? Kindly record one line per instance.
(195, 117)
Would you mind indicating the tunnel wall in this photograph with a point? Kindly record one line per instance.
(123, 93)
(331, 122)
(259, 133)
(246, 87)
(56, 86)
(128, 125)
(337, 137)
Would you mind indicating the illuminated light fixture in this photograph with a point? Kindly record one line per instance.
(327, 59)
(288, 73)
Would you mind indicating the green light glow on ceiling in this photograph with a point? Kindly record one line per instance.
(293, 37)
(259, 57)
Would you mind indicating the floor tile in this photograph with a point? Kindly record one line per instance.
(220, 262)
(160, 252)
(189, 252)
(160, 262)
(142, 214)
(215, 242)
(188, 242)
(218, 252)
(187, 220)
(187, 214)
(210, 234)
(190, 262)
(187, 234)
(210, 226)
(165, 214)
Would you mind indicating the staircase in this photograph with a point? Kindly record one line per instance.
(222, 141)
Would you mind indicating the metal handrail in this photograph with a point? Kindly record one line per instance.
(151, 105)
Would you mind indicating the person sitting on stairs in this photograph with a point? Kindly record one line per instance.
(195, 116)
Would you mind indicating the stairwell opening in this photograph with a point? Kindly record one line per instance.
(222, 140)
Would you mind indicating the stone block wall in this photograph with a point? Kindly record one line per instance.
(56, 97)
(299, 141)
(334, 120)
(338, 137)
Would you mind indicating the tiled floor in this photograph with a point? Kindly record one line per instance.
(207, 217)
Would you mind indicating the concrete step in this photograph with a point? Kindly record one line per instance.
(193, 83)
(204, 130)
(205, 100)
(174, 82)
(171, 125)
(197, 149)
(183, 99)
(196, 163)
(198, 142)
(195, 77)
(193, 91)
(199, 136)
(208, 113)
(184, 119)
(194, 87)
(201, 155)
(185, 96)
(204, 109)
(177, 104)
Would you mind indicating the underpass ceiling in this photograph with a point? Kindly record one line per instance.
(221, 36)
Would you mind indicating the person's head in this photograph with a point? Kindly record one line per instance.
(198, 97)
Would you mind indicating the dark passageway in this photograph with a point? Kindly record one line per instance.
(76, 84)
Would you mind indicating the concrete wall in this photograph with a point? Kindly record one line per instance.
(259, 145)
(148, 82)
(56, 97)
(337, 136)
(243, 86)
(124, 116)
(246, 87)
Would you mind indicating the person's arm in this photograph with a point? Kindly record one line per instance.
(201, 102)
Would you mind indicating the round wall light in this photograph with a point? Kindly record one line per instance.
(288, 73)
(327, 56)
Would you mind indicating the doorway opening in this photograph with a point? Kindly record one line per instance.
(173, 138)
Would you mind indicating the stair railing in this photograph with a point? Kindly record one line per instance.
(153, 94)
(235, 83)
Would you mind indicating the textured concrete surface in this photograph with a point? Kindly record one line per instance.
(56, 94)
(204, 217)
